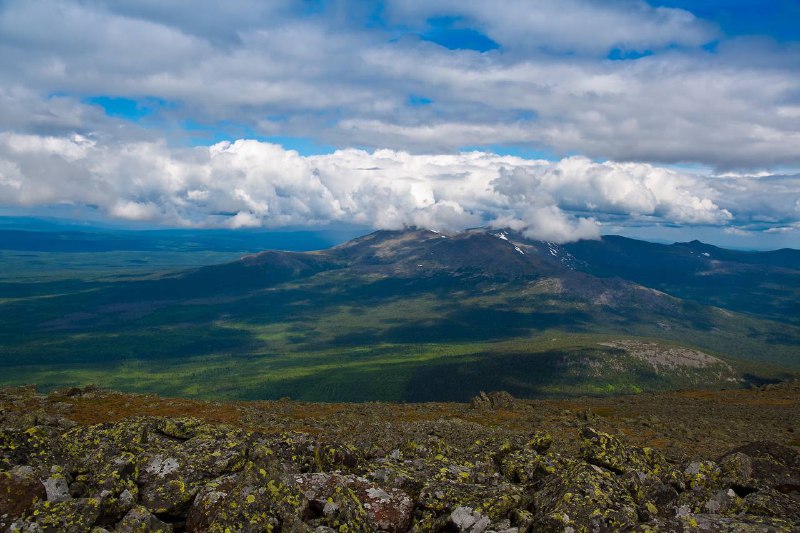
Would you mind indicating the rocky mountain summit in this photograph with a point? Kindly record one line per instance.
(92, 460)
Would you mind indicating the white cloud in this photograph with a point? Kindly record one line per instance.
(568, 25)
(128, 210)
(550, 223)
(273, 69)
(243, 219)
(631, 189)
(249, 183)
(278, 69)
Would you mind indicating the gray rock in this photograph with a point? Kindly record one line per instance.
(723, 502)
(57, 488)
(140, 520)
(469, 521)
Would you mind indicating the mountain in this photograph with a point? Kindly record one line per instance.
(419, 315)
(765, 284)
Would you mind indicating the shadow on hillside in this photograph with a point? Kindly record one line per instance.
(553, 373)
(153, 344)
(465, 325)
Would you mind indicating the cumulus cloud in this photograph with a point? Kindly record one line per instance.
(277, 69)
(338, 76)
(249, 183)
(549, 223)
(129, 210)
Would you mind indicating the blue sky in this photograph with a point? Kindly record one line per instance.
(777, 20)
(564, 118)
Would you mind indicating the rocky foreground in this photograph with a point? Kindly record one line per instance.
(92, 460)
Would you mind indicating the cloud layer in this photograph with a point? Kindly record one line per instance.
(353, 74)
(627, 85)
(250, 183)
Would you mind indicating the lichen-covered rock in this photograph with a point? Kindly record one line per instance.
(71, 516)
(526, 465)
(169, 479)
(736, 471)
(522, 519)
(436, 468)
(701, 474)
(724, 502)
(334, 495)
(438, 500)
(33, 446)
(702, 481)
(653, 497)
(140, 520)
(772, 465)
(56, 485)
(769, 502)
(19, 490)
(540, 442)
(697, 523)
(434, 459)
(247, 501)
(342, 511)
(301, 453)
(584, 497)
(393, 473)
(492, 400)
(607, 451)
(183, 428)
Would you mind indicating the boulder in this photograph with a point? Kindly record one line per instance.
(771, 465)
(770, 502)
(526, 465)
(34, 446)
(607, 451)
(584, 497)
(302, 453)
(438, 500)
(336, 497)
(700, 483)
(736, 470)
(247, 501)
(170, 478)
(717, 524)
(492, 400)
(19, 490)
(465, 520)
(71, 516)
(140, 520)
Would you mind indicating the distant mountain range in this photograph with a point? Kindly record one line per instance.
(422, 315)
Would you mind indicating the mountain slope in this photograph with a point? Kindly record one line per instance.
(405, 315)
(765, 284)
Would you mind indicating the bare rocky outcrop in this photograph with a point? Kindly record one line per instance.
(492, 400)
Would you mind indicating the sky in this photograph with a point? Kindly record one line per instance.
(562, 119)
